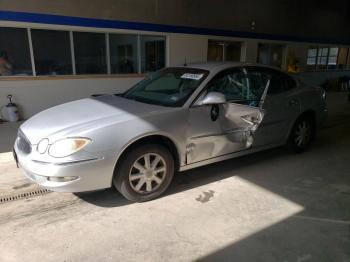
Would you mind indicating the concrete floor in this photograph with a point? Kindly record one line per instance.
(271, 206)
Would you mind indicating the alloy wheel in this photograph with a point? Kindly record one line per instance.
(147, 173)
(303, 134)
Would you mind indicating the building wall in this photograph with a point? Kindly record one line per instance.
(299, 18)
(187, 49)
(33, 96)
(272, 17)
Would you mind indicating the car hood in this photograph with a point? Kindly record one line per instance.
(84, 114)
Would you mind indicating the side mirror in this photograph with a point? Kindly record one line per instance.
(213, 98)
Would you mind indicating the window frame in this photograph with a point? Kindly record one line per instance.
(270, 47)
(204, 71)
(74, 74)
(218, 75)
(319, 56)
(287, 78)
(27, 68)
(215, 78)
(34, 51)
(312, 57)
(224, 44)
(142, 47)
(271, 71)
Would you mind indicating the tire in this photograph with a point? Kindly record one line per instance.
(140, 180)
(302, 134)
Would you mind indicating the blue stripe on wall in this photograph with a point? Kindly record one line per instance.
(102, 23)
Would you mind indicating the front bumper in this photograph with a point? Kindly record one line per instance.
(86, 175)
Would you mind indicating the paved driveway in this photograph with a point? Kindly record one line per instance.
(271, 206)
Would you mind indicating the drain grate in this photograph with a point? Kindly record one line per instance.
(25, 195)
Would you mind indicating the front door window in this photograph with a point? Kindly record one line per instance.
(221, 129)
(241, 87)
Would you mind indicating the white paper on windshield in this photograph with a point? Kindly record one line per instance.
(192, 76)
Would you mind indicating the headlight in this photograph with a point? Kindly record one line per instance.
(42, 146)
(68, 146)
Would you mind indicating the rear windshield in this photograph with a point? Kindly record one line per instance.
(169, 87)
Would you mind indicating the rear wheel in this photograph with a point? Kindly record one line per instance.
(144, 173)
(302, 134)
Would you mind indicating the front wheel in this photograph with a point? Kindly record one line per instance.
(301, 135)
(144, 173)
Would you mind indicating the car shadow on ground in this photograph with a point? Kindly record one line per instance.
(332, 135)
(188, 180)
(197, 177)
(317, 181)
(104, 198)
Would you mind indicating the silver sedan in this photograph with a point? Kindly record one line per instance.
(175, 119)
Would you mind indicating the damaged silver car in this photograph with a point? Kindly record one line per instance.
(175, 119)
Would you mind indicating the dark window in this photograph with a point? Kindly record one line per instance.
(52, 52)
(312, 56)
(322, 56)
(152, 53)
(224, 51)
(90, 53)
(326, 57)
(168, 87)
(280, 82)
(258, 82)
(333, 56)
(271, 54)
(277, 83)
(14, 52)
(291, 83)
(123, 52)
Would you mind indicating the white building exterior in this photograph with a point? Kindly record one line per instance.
(35, 93)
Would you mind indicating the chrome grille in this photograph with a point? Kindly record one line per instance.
(22, 144)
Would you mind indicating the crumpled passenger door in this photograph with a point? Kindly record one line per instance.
(217, 130)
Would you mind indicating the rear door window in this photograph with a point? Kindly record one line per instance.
(279, 81)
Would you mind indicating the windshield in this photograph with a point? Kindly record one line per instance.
(168, 87)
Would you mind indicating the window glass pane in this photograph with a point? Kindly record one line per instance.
(311, 61)
(257, 85)
(90, 53)
(323, 51)
(215, 52)
(123, 52)
(233, 84)
(334, 51)
(169, 87)
(233, 52)
(52, 54)
(224, 51)
(322, 60)
(14, 52)
(290, 83)
(152, 53)
(332, 60)
(239, 87)
(270, 54)
(312, 52)
(277, 83)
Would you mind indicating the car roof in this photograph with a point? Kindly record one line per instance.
(214, 67)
